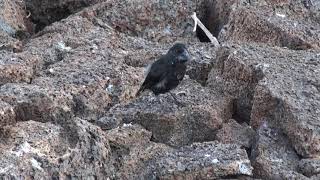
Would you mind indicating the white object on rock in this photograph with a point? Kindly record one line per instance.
(197, 22)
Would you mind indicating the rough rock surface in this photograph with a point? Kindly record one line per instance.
(8, 115)
(235, 133)
(291, 24)
(37, 150)
(13, 17)
(9, 43)
(310, 167)
(45, 12)
(31, 102)
(250, 108)
(160, 21)
(197, 120)
(272, 155)
(149, 160)
(17, 67)
(269, 86)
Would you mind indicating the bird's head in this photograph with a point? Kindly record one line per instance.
(179, 53)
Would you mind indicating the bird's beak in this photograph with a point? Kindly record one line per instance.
(184, 57)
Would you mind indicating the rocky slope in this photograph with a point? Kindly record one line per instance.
(69, 70)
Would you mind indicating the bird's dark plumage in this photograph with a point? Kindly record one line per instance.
(166, 73)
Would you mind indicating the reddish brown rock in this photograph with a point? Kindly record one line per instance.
(89, 64)
(37, 150)
(160, 21)
(14, 19)
(8, 43)
(310, 167)
(7, 114)
(274, 29)
(208, 162)
(17, 67)
(45, 12)
(89, 69)
(178, 125)
(132, 151)
(234, 133)
(137, 157)
(31, 102)
(291, 24)
(272, 155)
(276, 85)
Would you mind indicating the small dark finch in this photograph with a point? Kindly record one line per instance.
(167, 72)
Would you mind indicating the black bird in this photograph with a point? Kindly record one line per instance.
(167, 72)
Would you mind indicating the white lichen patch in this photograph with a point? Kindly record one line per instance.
(127, 125)
(110, 88)
(36, 164)
(167, 30)
(51, 70)
(61, 46)
(215, 161)
(25, 148)
(5, 169)
(280, 15)
(263, 67)
(245, 168)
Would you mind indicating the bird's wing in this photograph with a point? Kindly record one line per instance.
(155, 75)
